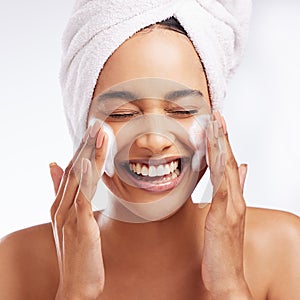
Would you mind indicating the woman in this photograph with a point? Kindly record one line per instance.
(221, 251)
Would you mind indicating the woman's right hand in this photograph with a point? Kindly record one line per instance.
(76, 231)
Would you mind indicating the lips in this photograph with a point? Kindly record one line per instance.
(155, 175)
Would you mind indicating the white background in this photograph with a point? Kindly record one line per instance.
(262, 108)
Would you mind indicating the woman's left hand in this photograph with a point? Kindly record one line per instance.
(223, 263)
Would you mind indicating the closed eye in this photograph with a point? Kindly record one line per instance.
(122, 115)
(183, 112)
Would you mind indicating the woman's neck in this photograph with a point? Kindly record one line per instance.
(179, 233)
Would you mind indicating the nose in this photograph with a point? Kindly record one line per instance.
(154, 142)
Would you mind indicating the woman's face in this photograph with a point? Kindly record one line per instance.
(159, 53)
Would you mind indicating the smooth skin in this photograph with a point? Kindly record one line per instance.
(222, 251)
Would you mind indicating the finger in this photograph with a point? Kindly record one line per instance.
(220, 196)
(231, 166)
(228, 196)
(212, 143)
(86, 182)
(84, 212)
(71, 188)
(68, 229)
(223, 166)
(66, 173)
(95, 168)
(69, 170)
(56, 173)
(215, 152)
(100, 155)
(221, 121)
(88, 152)
(217, 165)
(235, 183)
(242, 174)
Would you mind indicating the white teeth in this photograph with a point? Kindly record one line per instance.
(175, 164)
(153, 171)
(160, 170)
(171, 167)
(144, 171)
(138, 169)
(167, 169)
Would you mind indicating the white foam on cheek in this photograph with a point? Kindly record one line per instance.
(108, 166)
(197, 135)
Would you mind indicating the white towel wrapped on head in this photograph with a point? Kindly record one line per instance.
(217, 28)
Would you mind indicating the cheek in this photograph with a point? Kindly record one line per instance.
(116, 127)
(186, 123)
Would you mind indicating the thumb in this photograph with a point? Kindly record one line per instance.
(242, 174)
(56, 173)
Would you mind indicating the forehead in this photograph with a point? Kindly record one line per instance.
(159, 53)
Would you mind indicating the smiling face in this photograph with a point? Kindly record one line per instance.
(153, 164)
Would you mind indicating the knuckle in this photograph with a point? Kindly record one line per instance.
(68, 168)
(71, 167)
(99, 155)
(84, 203)
(74, 173)
(231, 163)
(68, 229)
(90, 142)
(71, 173)
(69, 225)
(222, 194)
(234, 220)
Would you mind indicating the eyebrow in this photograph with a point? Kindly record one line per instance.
(118, 95)
(174, 95)
(182, 93)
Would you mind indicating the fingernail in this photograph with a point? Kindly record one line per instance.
(52, 164)
(95, 128)
(84, 165)
(100, 139)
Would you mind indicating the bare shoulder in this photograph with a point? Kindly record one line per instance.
(272, 244)
(272, 225)
(28, 263)
(281, 220)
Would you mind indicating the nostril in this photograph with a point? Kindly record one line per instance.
(155, 142)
